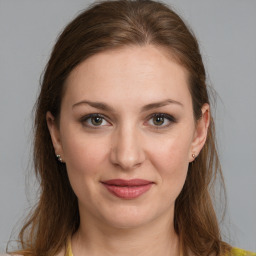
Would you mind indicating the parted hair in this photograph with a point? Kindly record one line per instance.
(108, 25)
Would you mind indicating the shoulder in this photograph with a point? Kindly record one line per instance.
(240, 252)
(9, 255)
(61, 253)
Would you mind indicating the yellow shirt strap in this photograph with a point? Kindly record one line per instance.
(68, 247)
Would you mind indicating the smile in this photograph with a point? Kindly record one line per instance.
(127, 189)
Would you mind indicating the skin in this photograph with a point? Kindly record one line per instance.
(128, 144)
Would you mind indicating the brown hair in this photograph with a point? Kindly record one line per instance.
(109, 25)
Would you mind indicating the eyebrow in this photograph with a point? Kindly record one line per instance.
(103, 106)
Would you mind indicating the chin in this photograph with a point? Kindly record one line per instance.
(128, 223)
(129, 217)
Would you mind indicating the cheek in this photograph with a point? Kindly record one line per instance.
(85, 163)
(84, 156)
(170, 159)
(172, 151)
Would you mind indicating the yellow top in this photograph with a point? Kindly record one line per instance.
(234, 252)
(239, 252)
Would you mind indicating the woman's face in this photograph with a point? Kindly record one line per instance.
(127, 116)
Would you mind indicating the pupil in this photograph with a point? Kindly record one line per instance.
(158, 120)
(96, 120)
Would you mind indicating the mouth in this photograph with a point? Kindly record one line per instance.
(127, 189)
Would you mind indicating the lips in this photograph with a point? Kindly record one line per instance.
(131, 183)
(127, 189)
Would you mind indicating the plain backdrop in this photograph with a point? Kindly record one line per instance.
(226, 30)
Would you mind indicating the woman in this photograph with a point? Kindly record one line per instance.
(124, 140)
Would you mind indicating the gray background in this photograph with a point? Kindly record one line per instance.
(226, 30)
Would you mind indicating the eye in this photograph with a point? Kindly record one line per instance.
(161, 120)
(94, 120)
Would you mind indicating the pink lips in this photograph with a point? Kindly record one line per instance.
(127, 189)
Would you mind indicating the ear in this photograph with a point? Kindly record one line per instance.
(200, 134)
(55, 134)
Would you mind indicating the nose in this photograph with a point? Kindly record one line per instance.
(127, 149)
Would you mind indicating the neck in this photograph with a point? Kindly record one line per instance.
(155, 238)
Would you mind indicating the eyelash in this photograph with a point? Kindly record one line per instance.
(171, 119)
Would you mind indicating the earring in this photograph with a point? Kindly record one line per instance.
(59, 158)
(194, 156)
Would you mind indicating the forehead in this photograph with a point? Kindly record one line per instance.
(139, 73)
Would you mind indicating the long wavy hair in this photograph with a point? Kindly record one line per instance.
(103, 26)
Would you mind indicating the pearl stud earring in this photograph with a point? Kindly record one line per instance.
(59, 158)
